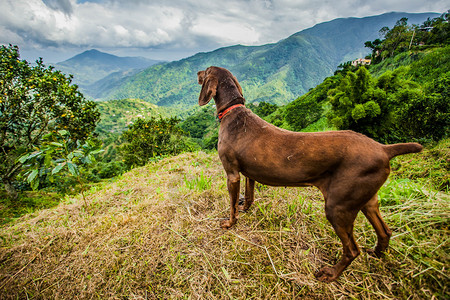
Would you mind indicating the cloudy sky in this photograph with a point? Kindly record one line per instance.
(172, 29)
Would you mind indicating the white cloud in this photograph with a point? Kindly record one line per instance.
(177, 25)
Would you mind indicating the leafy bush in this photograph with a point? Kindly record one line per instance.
(358, 104)
(211, 141)
(58, 157)
(200, 123)
(425, 115)
(146, 139)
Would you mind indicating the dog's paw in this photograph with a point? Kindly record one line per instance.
(326, 274)
(226, 224)
(375, 253)
(242, 208)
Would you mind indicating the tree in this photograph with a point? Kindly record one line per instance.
(358, 104)
(375, 46)
(263, 108)
(440, 33)
(425, 115)
(305, 110)
(402, 37)
(146, 139)
(34, 101)
(200, 123)
(397, 38)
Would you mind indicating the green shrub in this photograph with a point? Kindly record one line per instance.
(146, 139)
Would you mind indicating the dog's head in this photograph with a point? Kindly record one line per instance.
(210, 79)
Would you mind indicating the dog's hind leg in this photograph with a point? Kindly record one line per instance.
(342, 220)
(233, 184)
(249, 194)
(372, 213)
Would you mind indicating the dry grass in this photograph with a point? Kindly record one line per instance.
(154, 234)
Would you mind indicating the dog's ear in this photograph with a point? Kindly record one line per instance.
(209, 88)
(238, 85)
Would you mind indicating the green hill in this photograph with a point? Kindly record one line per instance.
(411, 89)
(276, 73)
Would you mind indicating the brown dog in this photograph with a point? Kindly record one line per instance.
(347, 167)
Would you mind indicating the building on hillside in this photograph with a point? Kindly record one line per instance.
(361, 61)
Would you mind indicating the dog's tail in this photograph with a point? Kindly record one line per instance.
(399, 149)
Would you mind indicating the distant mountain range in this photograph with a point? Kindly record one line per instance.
(95, 71)
(277, 73)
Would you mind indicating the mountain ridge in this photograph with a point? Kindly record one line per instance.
(93, 66)
(94, 54)
(276, 72)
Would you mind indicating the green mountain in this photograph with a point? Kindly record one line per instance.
(93, 70)
(276, 73)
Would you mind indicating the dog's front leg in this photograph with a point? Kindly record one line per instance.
(233, 184)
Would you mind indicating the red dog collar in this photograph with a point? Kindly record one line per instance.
(223, 113)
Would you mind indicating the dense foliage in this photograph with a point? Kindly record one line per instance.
(357, 105)
(263, 109)
(152, 138)
(36, 100)
(308, 108)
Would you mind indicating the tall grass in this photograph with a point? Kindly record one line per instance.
(154, 234)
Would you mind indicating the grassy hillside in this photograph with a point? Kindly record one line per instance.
(154, 233)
